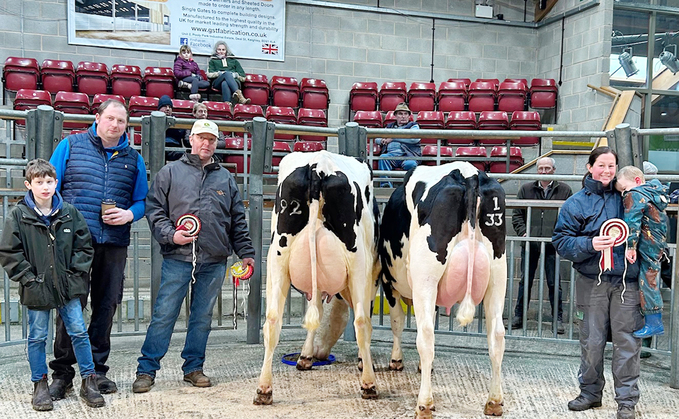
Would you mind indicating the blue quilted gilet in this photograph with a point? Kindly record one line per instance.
(90, 177)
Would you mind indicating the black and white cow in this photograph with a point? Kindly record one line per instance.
(323, 243)
(442, 241)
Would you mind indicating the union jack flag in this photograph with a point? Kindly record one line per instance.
(270, 49)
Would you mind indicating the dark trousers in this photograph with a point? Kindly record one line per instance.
(106, 290)
(534, 258)
(606, 309)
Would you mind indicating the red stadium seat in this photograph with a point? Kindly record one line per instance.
(452, 96)
(314, 93)
(431, 151)
(20, 73)
(282, 115)
(475, 152)
(482, 95)
(511, 96)
(377, 150)
(524, 81)
(256, 88)
(312, 117)
(308, 146)
(368, 119)
(391, 94)
(515, 159)
(159, 81)
(220, 111)
(279, 147)
(284, 91)
(525, 121)
(27, 99)
(430, 120)
(182, 108)
(243, 112)
(92, 78)
(495, 82)
(493, 120)
(126, 80)
(363, 96)
(422, 97)
(543, 94)
(461, 120)
(142, 105)
(73, 103)
(237, 144)
(185, 91)
(57, 76)
(100, 98)
(467, 82)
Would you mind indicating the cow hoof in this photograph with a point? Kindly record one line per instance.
(419, 369)
(424, 412)
(396, 365)
(369, 392)
(304, 363)
(263, 397)
(493, 408)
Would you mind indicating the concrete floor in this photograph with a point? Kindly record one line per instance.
(538, 381)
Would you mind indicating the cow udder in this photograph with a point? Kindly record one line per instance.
(453, 285)
(331, 262)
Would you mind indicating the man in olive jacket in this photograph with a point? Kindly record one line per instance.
(194, 184)
(541, 225)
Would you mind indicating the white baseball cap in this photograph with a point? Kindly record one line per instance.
(205, 126)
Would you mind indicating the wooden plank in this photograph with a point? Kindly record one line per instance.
(665, 80)
(542, 13)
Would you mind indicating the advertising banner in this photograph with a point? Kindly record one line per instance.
(253, 29)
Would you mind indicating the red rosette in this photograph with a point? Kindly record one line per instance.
(189, 223)
(617, 228)
(239, 272)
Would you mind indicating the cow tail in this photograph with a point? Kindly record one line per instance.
(313, 318)
(465, 314)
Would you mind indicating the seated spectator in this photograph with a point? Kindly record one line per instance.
(173, 136)
(188, 73)
(399, 147)
(200, 112)
(226, 74)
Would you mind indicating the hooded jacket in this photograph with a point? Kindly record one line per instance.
(210, 193)
(580, 220)
(183, 68)
(645, 214)
(50, 262)
(228, 63)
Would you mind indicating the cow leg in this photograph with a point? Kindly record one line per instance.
(277, 287)
(424, 305)
(362, 294)
(493, 303)
(306, 357)
(397, 317)
(333, 323)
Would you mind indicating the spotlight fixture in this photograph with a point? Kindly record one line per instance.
(627, 63)
(669, 59)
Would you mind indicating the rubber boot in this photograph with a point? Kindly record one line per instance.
(42, 400)
(89, 392)
(652, 327)
(238, 96)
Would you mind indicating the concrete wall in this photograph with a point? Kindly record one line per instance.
(344, 46)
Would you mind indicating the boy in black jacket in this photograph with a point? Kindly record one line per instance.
(46, 247)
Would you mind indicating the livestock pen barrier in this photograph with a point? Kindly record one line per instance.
(38, 132)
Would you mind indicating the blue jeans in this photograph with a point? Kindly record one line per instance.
(226, 84)
(38, 323)
(392, 164)
(196, 83)
(174, 284)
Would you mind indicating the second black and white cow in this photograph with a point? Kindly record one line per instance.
(442, 241)
(323, 243)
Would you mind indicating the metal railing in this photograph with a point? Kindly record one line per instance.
(44, 130)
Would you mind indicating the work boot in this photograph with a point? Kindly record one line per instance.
(517, 323)
(560, 330)
(90, 393)
(143, 383)
(105, 385)
(625, 412)
(645, 343)
(239, 98)
(198, 379)
(60, 387)
(42, 400)
(653, 327)
(581, 403)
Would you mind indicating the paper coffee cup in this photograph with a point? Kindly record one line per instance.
(107, 204)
